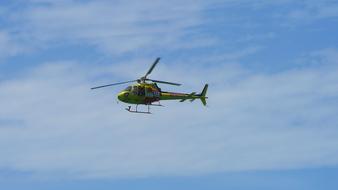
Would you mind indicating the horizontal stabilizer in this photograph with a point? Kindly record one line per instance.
(192, 94)
(189, 97)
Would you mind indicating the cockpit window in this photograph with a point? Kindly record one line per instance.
(128, 89)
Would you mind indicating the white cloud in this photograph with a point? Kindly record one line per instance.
(258, 121)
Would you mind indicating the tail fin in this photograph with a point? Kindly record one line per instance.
(203, 95)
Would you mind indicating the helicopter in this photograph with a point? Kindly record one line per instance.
(145, 91)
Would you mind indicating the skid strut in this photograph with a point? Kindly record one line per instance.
(157, 104)
(136, 111)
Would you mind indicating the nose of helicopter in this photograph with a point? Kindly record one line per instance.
(122, 96)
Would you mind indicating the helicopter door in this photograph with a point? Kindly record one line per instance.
(141, 91)
(149, 92)
(152, 93)
(138, 90)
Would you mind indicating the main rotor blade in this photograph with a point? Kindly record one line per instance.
(113, 84)
(164, 82)
(152, 67)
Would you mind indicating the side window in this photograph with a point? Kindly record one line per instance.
(134, 90)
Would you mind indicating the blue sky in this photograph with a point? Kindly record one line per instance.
(271, 118)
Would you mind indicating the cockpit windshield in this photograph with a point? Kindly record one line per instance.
(128, 89)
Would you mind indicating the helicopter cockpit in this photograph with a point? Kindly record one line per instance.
(128, 89)
(136, 90)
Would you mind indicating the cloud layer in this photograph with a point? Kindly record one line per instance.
(53, 124)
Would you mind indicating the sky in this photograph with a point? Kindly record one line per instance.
(271, 120)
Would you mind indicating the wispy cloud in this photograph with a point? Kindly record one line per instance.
(116, 26)
(315, 10)
(9, 46)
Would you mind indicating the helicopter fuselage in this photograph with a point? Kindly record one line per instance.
(146, 94)
(140, 94)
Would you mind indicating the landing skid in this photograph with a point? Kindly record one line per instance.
(136, 111)
(160, 105)
(129, 109)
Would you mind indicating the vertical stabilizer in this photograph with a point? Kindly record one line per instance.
(203, 95)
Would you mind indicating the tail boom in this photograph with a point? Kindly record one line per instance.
(183, 97)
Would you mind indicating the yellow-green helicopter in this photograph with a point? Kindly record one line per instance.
(149, 94)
